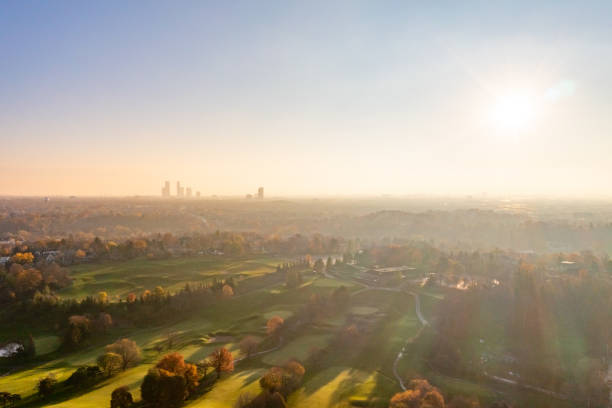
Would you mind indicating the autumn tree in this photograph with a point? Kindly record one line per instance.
(102, 297)
(273, 325)
(249, 345)
(284, 379)
(79, 329)
(103, 322)
(55, 276)
(121, 398)
(420, 394)
(170, 382)
(23, 258)
(128, 350)
(272, 380)
(159, 294)
(163, 389)
(175, 363)
(222, 361)
(293, 372)
(110, 363)
(227, 291)
(25, 281)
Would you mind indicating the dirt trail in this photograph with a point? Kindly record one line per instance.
(424, 322)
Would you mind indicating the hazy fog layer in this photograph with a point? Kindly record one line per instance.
(113, 98)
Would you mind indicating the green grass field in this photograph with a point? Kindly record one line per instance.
(120, 278)
(351, 377)
(195, 338)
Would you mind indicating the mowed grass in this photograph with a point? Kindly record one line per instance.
(100, 395)
(361, 377)
(226, 391)
(363, 310)
(120, 278)
(219, 317)
(298, 349)
(337, 387)
(46, 344)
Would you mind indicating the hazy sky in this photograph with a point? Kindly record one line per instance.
(114, 97)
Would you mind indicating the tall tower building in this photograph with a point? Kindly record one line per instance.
(180, 191)
(166, 189)
(260, 193)
(188, 192)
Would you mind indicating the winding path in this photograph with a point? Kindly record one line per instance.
(424, 323)
(259, 353)
(417, 310)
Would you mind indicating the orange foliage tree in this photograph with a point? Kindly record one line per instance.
(221, 360)
(420, 394)
(274, 324)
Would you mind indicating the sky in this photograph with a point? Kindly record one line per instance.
(306, 97)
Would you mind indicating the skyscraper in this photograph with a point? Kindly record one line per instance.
(180, 191)
(188, 192)
(165, 191)
(260, 193)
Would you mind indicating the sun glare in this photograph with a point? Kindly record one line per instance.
(513, 111)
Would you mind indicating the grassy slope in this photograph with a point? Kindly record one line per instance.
(121, 278)
(364, 375)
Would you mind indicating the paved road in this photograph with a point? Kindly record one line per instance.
(400, 355)
(259, 353)
(417, 307)
(417, 310)
(424, 322)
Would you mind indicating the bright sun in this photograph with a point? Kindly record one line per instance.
(513, 111)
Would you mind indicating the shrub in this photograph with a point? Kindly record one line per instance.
(46, 386)
(84, 376)
(121, 398)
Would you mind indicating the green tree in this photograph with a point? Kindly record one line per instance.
(84, 376)
(319, 266)
(110, 363)
(46, 386)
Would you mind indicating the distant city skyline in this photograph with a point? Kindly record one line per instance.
(187, 191)
(307, 98)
